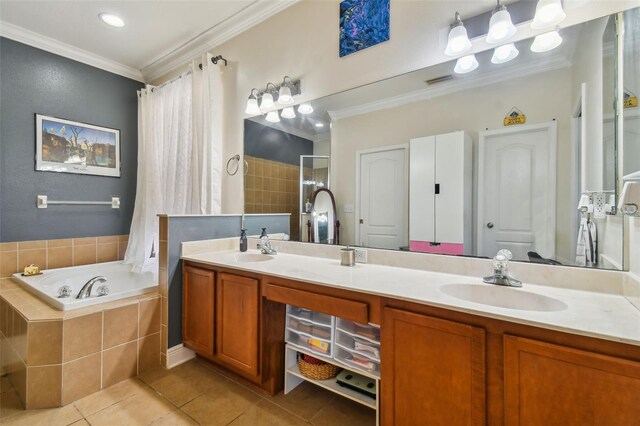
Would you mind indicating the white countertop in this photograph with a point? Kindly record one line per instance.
(587, 313)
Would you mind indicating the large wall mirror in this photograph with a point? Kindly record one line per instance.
(424, 161)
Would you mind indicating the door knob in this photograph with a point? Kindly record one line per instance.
(490, 225)
(361, 221)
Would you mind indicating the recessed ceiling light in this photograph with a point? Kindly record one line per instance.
(113, 20)
(319, 125)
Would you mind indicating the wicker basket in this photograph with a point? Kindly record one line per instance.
(317, 372)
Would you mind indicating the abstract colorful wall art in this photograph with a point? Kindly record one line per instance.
(363, 23)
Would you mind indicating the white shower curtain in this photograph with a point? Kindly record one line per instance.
(179, 156)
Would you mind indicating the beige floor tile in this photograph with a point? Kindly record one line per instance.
(81, 422)
(10, 404)
(342, 412)
(265, 413)
(175, 418)
(107, 397)
(306, 400)
(140, 409)
(62, 416)
(151, 376)
(221, 406)
(177, 389)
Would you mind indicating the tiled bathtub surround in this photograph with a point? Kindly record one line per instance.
(53, 357)
(51, 254)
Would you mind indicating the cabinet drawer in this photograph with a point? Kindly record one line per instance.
(344, 308)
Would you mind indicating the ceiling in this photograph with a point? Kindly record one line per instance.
(154, 32)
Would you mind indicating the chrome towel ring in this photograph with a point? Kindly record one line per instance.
(232, 168)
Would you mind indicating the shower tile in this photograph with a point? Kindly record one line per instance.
(68, 242)
(107, 252)
(19, 339)
(108, 239)
(84, 241)
(44, 343)
(120, 325)
(8, 263)
(36, 257)
(82, 336)
(84, 254)
(81, 378)
(119, 363)
(8, 246)
(44, 387)
(149, 352)
(32, 245)
(150, 312)
(59, 257)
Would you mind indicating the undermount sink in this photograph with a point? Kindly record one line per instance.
(504, 297)
(252, 257)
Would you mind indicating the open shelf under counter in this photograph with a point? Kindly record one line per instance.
(293, 377)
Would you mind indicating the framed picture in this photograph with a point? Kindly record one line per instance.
(363, 23)
(73, 147)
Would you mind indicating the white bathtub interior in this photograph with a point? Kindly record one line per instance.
(120, 281)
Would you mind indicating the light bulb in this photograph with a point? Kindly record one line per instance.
(466, 64)
(504, 53)
(273, 117)
(458, 41)
(284, 96)
(500, 26)
(547, 41)
(548, 13)
(305, 109)
(252, 106)
(288, 112)
(267, 101)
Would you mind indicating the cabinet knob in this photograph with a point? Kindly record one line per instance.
(490, 225)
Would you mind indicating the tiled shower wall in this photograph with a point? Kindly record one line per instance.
(49, 254)
(272, 187)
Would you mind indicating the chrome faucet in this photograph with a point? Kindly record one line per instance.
(265, 245)
(86, 289)
(501, 271)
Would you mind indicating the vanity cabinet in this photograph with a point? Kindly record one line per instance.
(198, 287)
(433, 371)
(238, 323)
(548, 384)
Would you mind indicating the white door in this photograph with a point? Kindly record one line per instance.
(517, 190)
(381, 209)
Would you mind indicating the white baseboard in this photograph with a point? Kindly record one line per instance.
(178, 355)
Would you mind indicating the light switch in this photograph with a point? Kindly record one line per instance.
(348, 208)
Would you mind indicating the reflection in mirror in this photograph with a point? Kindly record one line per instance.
(325, 227)
(425, 161)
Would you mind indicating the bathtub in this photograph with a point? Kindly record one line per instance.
(121, 283)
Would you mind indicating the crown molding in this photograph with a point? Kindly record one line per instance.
(51, 45)
(522, 70)
(248, 17)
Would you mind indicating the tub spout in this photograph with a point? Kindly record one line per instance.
(86, 289)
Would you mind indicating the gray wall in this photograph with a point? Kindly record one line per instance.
(197, 228)
(272, 144)
(35, 81)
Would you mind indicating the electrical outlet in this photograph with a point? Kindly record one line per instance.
(361, 255)
(348, 208)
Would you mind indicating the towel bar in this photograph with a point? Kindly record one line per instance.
(43, 202)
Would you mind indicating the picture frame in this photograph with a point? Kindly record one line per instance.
(363, 23)
(67, 146)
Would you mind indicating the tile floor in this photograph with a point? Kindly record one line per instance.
(190, 394)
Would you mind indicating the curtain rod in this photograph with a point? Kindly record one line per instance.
(215, 60)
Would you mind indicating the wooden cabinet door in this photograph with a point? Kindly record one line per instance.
(547, 384)
(238, 323)
(198, 288)
(433, 371)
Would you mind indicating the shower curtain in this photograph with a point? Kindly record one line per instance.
(179, 155)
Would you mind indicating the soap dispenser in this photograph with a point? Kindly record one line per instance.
(243, 240)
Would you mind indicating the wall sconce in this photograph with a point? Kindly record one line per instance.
(305, 109)
(466, 64)
(500, 26)
(505, 53)
(458, 41)
(282, 95)
(548, 13)
(547, 41)
(273, 117)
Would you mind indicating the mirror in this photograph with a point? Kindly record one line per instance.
(425, 162)
(325, 228)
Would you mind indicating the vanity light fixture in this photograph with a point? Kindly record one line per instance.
(548, 13)
(267, 98)
(252, 103)
(288, 112)
(305, 109)
(547, 41)
(273, 117)
(458, 41)
(505, 53)
(110, 19)
(284, 95)
(466, 64)
(500, 26)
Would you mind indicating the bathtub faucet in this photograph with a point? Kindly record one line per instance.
(86, 289)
